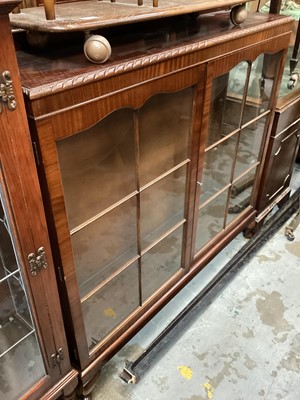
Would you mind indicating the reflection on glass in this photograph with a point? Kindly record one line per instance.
(124, 182)
(8, 263)
(21, 363)
(162, 206)
(290, 79)
(161, 262)
(240, 195)
(237, 98)
(22, 368)
(111, 305)
(164, 131)
(290, 82)
(217, 169)
(226, 103)
(105, 245)
(98, 166)
(12, 309)
(249, 146)
(210, 220)
(259, 91)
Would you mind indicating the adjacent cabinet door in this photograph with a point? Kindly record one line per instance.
(236, 122)
(33, 350)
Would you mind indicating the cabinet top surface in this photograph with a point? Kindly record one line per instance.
(63, 65)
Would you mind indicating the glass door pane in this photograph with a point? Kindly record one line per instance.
(161, 262)
(105, 245)
(240, 195)
(248, 151)
(259, 91)
(211, 219)
(21, 363)
(125, 182)
(164, 123)
(97, 167)
(239, 113)
(169, 194)
(164, 133)
(226, 103)
(98, 170)
(217, 169)
(110, 305)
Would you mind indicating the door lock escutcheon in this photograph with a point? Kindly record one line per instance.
(7, 92)
(38, 261)
(57, 357)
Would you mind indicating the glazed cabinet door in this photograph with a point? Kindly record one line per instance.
(119, 183)
(22, 359)
(31, 327)
(237, 115)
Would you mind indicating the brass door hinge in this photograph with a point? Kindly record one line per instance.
(57, 357)
(37, 261)
(6, 92)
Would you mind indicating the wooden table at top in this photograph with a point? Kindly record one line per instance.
(93, 14)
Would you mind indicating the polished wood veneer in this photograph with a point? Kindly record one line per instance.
(31, 321)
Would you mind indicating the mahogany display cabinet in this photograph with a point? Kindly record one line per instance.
(149, 164)
(34, 359)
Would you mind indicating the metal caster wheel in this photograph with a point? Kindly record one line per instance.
(97, 49)
(289, 234)
(238, 14)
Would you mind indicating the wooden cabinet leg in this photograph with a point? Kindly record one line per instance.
(251, 229)
(70, 391)
(69, 396)
(85, 391)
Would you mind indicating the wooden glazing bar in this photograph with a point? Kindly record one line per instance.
(100, 214)
(169, 172)
(162, 237)
(109, 279)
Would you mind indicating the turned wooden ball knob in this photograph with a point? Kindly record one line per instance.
(37, 39)
(238, 14)
(97, 49)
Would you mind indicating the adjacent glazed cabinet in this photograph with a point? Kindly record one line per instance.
(34, 359)
(149, 163)
(285, 135)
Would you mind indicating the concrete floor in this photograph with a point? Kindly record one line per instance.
(244, 345)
